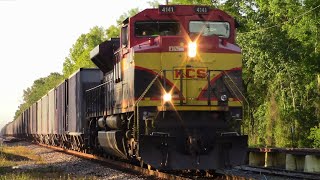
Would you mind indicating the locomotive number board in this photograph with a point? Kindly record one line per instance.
(201, 9)
(168, 9)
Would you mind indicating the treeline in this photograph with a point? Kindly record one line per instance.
(280, 41)
(281, 51)
(39, 88)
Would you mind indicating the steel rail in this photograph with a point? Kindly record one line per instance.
(280, 172)
(119, 164)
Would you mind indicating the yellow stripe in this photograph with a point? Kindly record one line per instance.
(201, 104)
(234, 103)
(149, 103)
(192, 108)
(169, 60)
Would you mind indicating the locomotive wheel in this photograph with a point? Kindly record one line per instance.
(210, 173)
(141, 163)
(144, 165)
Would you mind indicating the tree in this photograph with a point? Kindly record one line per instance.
(280, 71)
(39, 88)
(79, 54)
(114, 30)
(196, 2)
(154, 4)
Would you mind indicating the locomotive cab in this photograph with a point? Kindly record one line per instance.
(172, 92)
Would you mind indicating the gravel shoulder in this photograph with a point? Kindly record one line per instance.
(36, 162)
(64, 166)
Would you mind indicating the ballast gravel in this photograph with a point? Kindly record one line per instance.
(72, 166)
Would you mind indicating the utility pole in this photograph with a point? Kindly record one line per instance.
(167, 2)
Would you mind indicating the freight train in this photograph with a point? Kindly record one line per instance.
(167, 94)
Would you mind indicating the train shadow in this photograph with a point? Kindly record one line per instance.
(12, 157)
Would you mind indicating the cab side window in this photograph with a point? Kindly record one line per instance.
(124, 36)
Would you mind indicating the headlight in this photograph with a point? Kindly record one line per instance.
(167, 97)
(224, 97)
(192, 49)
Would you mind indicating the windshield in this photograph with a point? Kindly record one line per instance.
(207, 28)
(145, 29)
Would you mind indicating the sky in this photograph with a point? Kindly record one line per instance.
(36, 35)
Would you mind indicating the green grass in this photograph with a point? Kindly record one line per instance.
(17, 155)
(12, 156)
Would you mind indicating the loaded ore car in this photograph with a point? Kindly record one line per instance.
(5, 131)
(38, 136)
(60, 113)
(33, 121)
(58, 118)
(171, 96)
(76, 120)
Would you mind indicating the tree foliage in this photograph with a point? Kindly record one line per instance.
(315, 136)
(281, 64)
(79, 54)
(195, 2)
(154, 4)
(114, 30)
(39, 88)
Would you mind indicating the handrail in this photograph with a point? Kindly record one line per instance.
(238, 89)
(138, 101)
(224, 72)
(148, 87)
(98, 86)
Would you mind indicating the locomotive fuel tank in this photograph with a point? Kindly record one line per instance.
(112, 140)
(112, 122)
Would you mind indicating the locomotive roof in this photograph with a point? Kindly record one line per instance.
(178, 10)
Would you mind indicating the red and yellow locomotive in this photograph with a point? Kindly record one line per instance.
(172, 88)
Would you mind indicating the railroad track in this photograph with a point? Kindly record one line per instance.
(124, 166)
(281, 172)
(240, 172)
(120, 165)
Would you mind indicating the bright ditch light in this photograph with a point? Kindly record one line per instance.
(167, 97)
